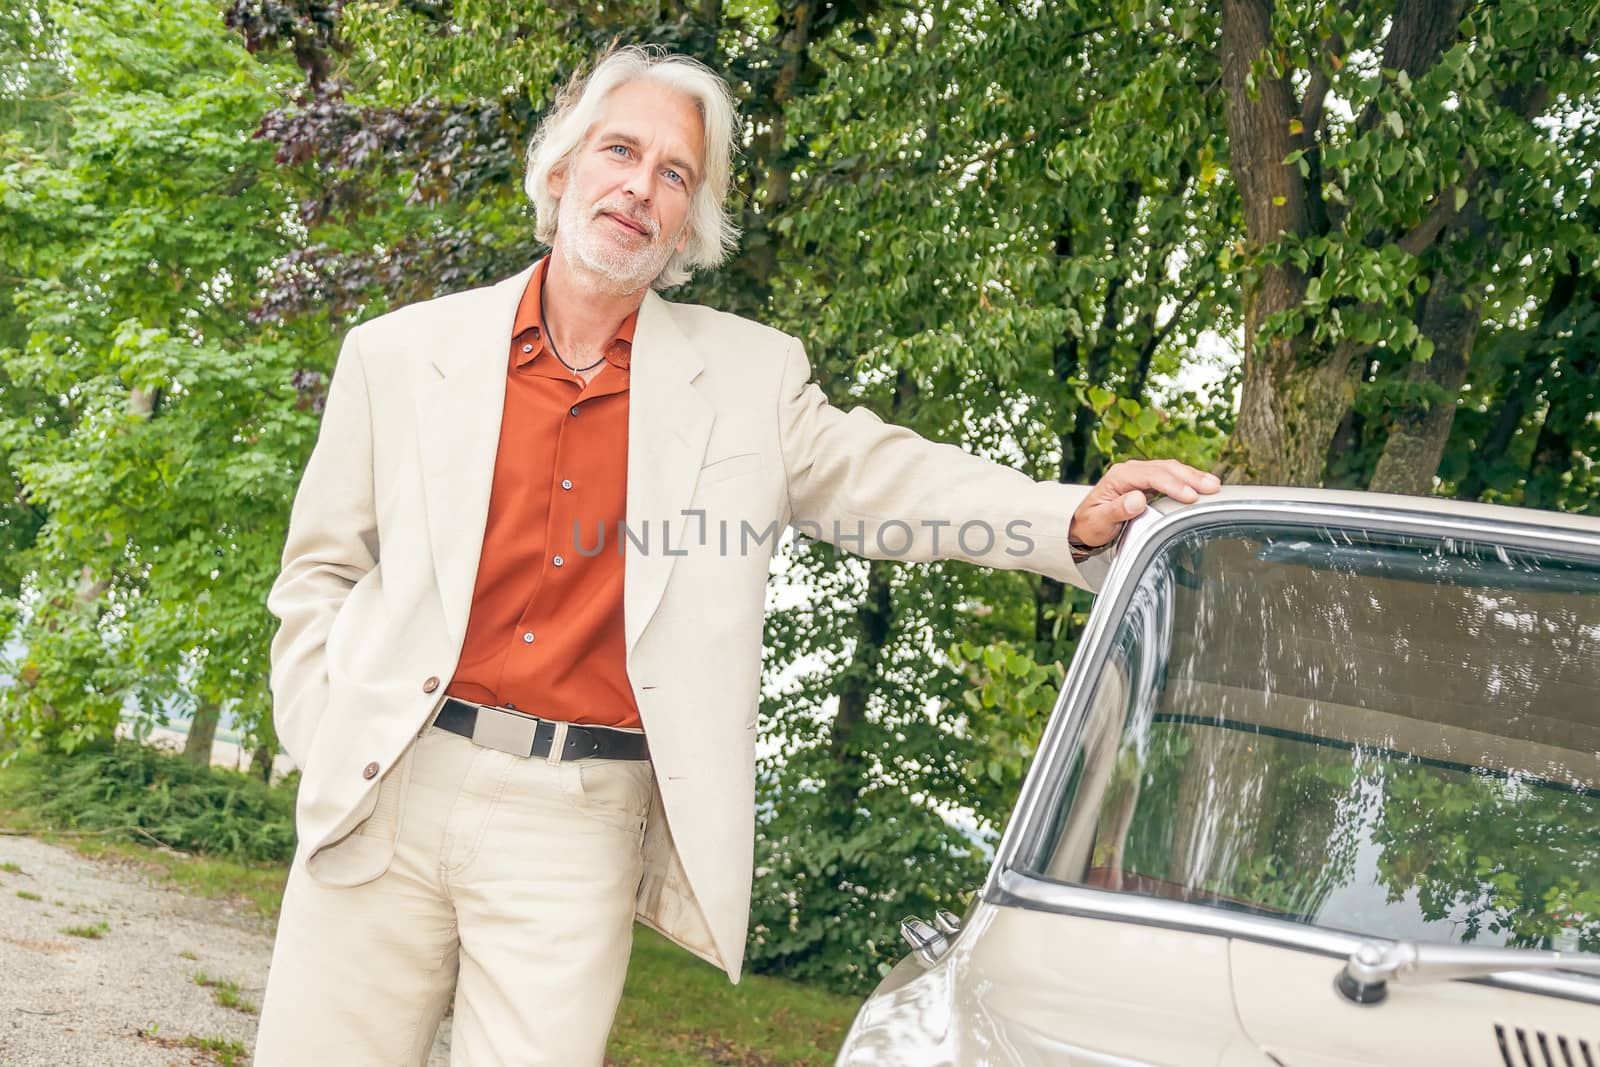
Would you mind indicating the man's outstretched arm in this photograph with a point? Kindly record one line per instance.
(884, 491)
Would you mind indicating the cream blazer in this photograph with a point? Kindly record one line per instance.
(728, 442)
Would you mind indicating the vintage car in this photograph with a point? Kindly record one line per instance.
(1322, 789)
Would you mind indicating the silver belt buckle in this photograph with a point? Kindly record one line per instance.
(505, 731)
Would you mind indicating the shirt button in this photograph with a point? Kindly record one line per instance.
(558, 561)
(370, 771)
(574, 411)
(431, 684)
(566, 483)
(527, 348)
(527, 638)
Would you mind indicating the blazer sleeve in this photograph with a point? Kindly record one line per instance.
(332, 543)
(885, 492)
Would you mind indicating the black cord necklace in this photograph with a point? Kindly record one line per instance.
(550, 339)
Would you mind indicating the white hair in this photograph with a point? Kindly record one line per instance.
(712, 234)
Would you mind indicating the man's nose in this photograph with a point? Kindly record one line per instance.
(640, 183)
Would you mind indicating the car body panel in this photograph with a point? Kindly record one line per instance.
(1045, 972)
(1289, 1006)
(1021, 988)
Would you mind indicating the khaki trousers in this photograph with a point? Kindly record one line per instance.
(512, 885)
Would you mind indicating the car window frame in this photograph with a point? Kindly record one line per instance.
(1010, 885)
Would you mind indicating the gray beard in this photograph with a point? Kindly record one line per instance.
(585, 250)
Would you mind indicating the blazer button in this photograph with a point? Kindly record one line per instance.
(431, 684)
(370, 771)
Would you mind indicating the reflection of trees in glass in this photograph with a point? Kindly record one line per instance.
(1236, 817)
(1502, 857)
(1149, 836)
(1257, 739)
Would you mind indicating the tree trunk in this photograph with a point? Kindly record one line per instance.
(1525, 380)
(1555, 452)
(1081, 463)
(1292, 399)
(202, 733)
(856, 686)
(261, 760)
(760, 258)
(1419, 431)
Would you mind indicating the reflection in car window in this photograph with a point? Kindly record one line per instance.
(1388, 735)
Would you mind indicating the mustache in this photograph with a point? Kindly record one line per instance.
(633, 214)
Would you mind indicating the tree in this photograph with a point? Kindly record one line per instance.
(159, 477)
(1019, 230)
(1400, 170)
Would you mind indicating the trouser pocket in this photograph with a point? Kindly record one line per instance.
(615, 793)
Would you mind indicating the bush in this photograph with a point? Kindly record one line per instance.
(128, 787)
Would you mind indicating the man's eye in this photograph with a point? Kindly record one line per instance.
(674, 177)
(620, 150)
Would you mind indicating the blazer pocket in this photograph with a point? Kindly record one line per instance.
(729, 467)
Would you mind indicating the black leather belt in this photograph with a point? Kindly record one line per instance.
(527, 735)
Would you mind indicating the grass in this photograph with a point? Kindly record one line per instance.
(680, 1012)
(226, 993)
(676, 1010)
(133, 792)
(221, 1051)
(12, 868)
(25, 895)
(226, 1053)
(92, 931)
(257, 887)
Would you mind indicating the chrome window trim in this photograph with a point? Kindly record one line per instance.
(1015, 889)
(1144, 537)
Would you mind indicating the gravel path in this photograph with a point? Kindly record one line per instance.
(128, 997)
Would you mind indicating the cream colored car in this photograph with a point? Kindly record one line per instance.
(1322, 789)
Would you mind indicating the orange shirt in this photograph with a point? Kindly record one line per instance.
(545, 632)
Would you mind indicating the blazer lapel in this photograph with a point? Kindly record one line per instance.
(459, 406)
(669, 423)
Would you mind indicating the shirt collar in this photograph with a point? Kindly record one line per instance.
(526, 330)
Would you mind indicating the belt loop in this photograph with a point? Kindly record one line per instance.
(558, 743)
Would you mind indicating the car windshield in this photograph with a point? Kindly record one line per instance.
(1384, 734)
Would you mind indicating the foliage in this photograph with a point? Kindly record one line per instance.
(1410, 175)
(160, 481)
(1516, 861)
(1311, 243)
(137, 792)
(678, 1012)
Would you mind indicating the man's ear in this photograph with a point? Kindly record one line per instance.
(557, 182)
(683, 240)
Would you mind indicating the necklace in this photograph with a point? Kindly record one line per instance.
(550, 340)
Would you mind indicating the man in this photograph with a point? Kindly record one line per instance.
(513, 745)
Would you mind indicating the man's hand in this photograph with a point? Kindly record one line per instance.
(1122, 491)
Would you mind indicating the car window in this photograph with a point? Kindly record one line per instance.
(1384, 734)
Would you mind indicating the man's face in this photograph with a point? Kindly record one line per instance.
(624, 200)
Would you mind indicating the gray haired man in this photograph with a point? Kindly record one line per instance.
(514, 745)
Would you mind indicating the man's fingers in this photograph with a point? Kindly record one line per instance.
(1168, 477)
(1124, 492)
(1180, 481)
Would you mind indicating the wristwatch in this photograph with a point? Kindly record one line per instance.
(1081, 551)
